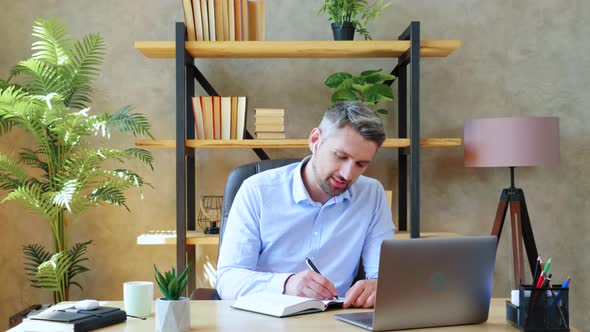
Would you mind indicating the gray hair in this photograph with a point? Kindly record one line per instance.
(358, 116)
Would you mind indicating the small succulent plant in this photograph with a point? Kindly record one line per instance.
(171, 285)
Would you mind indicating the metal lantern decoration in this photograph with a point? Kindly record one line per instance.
(210, 214)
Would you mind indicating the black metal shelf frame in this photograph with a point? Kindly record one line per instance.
(187, 73)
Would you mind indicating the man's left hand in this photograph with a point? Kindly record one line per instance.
(361, 294)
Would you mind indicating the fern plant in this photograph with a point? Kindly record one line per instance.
(61, 175)
(171, 285)
(53, 273)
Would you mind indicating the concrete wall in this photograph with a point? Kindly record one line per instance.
(525, 57)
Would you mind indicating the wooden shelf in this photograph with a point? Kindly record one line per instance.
(169, 237)
(289, 143)
(298, 49)
(198, 238)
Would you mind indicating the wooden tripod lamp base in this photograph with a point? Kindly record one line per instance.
(521, 230)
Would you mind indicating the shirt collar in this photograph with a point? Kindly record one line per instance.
(300, 192)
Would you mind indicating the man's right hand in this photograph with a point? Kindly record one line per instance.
(310, 284)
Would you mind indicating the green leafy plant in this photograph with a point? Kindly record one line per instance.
(369, 87)
(53, 274)
(60, 175)
(171, 285)
(36, 255)
(358, 12)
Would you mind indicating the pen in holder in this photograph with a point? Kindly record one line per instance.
(540, 309)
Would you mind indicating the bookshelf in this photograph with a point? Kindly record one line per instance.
(198, 238)
(298, 49)
(408, 49)
(169, 237)
(287, 143)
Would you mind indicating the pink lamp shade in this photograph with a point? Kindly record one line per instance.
(508, 142)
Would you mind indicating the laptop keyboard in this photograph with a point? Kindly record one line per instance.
(360, 318)
(366, 319)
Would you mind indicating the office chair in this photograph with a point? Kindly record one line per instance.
(234, 181)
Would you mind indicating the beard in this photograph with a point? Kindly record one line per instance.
(329, 189)
(326, 185)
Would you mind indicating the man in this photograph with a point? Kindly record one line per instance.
(321, 208)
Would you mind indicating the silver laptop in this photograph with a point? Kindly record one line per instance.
(431, 282)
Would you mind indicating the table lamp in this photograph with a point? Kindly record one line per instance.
(513, 142)
(210, 214)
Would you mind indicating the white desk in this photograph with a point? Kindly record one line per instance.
(219, 316)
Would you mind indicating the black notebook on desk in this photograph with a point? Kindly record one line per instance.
(68, 321)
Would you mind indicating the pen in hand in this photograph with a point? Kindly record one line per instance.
(315, 269)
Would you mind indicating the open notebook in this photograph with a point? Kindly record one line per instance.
(280, 305)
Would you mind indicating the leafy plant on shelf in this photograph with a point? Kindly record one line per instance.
(357, 12)
(59, 175)
(369, 87)
(171, 285)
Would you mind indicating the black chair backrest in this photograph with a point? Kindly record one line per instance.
(234, 182)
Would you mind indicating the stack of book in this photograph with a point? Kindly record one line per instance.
(270, 123)
(213, 20)
(219, 117)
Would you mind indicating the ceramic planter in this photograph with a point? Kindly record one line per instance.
(173, 316)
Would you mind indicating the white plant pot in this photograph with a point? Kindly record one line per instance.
(173, 316)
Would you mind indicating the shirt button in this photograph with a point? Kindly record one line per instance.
(315, 233)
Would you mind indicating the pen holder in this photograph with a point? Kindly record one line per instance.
(541, 309)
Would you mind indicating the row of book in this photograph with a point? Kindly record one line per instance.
(214, 20)
(219, 117)
(269, 123)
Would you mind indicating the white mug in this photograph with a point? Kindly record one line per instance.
(138, 297)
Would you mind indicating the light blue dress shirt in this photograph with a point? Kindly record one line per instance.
(274, 225)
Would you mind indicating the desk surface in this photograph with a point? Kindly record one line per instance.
(219, 316)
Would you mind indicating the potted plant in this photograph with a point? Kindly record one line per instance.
(369, 87)
(350, 15)
(172, 310)
(59, 175)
